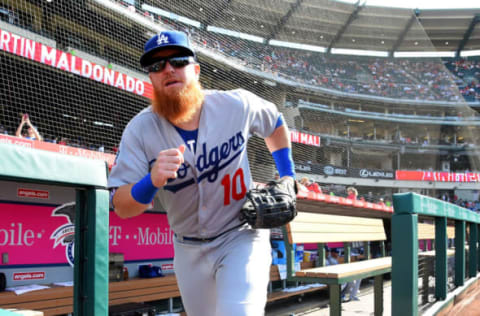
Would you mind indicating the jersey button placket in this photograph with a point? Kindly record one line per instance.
(201, 212)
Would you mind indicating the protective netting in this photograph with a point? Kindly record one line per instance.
(73, 67)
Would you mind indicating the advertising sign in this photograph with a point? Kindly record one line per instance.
(44, 235)
(437, 176)
(41, 53)
(330, 170)
(367, 173)
(304, 138)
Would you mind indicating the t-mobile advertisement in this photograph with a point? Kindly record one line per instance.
(44, 235)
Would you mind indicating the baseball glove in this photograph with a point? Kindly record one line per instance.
(271, 206)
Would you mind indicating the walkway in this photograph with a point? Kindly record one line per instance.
(316, 304)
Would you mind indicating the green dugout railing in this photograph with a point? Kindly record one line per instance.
(89, 179)
(407, 208)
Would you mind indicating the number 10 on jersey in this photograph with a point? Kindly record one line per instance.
(234, 186)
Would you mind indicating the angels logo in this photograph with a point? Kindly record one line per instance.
(65, 234)
(162, 39)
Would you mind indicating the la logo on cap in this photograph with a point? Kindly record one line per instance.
(162, 39)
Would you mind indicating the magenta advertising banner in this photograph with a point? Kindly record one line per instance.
(144, 237)
(43, 235)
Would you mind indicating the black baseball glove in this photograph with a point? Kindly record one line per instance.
(271, 206)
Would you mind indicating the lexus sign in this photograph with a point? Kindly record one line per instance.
(371, 173)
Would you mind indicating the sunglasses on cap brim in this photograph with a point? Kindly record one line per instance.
(175, 62)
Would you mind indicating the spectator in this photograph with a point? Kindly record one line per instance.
(301, 185)
(32, 132)
(63, 141)
(370, 197)
(353, 286)
(310, 185)
(332, 257)
(350, 287)
(352, 193)
(314, 187)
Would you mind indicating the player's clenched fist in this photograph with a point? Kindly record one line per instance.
(166, 166)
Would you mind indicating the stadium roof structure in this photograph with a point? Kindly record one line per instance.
(334, 25)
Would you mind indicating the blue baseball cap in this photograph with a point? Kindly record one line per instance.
(166, 39)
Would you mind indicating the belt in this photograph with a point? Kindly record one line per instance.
(207, 239)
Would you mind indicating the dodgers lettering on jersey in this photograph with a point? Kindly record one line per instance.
(233, 147)
(209, 163)
(211, 184)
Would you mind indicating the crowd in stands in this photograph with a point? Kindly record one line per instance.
(472, 205)
(404, 136)
(305, 184)
(310, 185)
(416, 79)
(467, 77)
(399, 78)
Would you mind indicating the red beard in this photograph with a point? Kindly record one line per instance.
(178, 106)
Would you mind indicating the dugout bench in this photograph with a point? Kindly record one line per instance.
(274, 295)
(59, 300)
(323, 228)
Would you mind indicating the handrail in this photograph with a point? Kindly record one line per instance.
(412, 203)
(407, 208)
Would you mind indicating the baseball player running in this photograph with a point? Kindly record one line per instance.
(190, 148)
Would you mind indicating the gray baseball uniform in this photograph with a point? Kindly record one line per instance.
(229, 275)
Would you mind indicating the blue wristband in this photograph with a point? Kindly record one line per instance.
(280, 122)
(284, 162)
(144, 191)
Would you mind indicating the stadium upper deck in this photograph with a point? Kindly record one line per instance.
(333, 24)
(418, 80)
